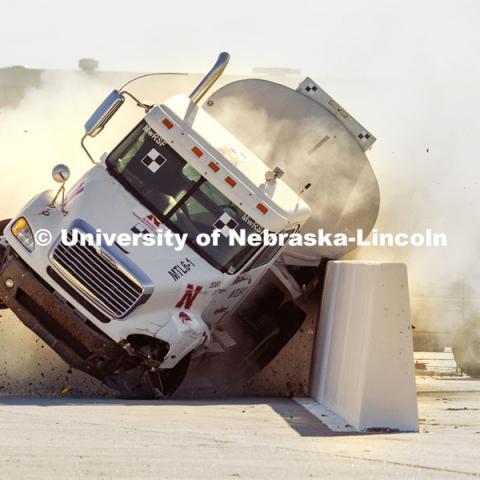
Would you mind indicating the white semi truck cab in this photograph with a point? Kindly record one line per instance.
(136, 314)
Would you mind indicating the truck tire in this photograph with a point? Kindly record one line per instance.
(141, 384)
(466, 348)
(272, 332)
(3, 224)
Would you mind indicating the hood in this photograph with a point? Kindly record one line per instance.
(98, 200)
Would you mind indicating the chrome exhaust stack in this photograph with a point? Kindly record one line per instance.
(210, 78)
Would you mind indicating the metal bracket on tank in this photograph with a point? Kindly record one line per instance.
(312, 90)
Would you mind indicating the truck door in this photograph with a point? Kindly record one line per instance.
(226, 299)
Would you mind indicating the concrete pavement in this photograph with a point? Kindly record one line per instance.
(242, 438)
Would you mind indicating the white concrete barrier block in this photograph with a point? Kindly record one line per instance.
(363, 365)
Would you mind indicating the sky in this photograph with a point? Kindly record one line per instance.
(341, 38)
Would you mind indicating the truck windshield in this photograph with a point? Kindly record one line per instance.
(174, 191)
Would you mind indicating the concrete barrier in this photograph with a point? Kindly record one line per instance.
(363, 366)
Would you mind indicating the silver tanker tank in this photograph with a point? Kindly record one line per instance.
(309, 136)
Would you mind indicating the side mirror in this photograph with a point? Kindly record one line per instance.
(60, 173)
(104, 113)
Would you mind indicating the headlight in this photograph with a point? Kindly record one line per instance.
(23, 233)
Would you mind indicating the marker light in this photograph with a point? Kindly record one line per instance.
(230, 181)
(262, 208)
(214, 166)
(167, 123)
(197, 152)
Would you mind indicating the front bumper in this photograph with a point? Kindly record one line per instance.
(80, 343)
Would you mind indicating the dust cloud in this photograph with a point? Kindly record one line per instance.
(425, 160)
(42, 130)
(45, 129)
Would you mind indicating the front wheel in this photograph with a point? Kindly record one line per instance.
(142, 383)
(140, 375)
(466, 348)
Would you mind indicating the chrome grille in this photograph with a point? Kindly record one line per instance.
(94, 274)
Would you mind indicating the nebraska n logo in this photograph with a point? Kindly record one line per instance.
(188, 297)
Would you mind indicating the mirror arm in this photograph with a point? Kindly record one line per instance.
(82, 143)
(140, 104)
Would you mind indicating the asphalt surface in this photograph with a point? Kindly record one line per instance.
(244, 438)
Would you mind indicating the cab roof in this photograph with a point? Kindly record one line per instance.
(228, 164)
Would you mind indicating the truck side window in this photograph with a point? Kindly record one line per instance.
(268, 253)
(206, 209)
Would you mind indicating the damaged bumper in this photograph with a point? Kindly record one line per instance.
(64, 329)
